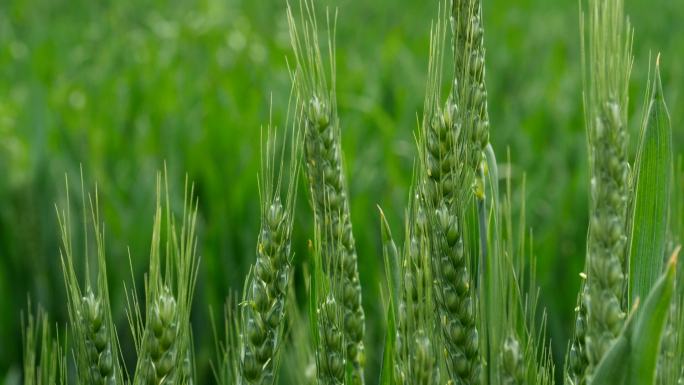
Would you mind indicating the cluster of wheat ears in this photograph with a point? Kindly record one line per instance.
(462, 298)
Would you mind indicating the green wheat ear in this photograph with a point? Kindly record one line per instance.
(324, 166)
(300, 360)
(415, 343)
(522, 354)
(163, 340)
(257, 329)
(44, 360)
(96, 344)
(262, 318)
(228, 351)
(445, 190)
(603, 303)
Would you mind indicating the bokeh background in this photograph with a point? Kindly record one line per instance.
(122, 86)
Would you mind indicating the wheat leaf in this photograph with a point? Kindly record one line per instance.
(393, 271)
(391, 257)
(649, 328)
(653, 174)
(387, 370)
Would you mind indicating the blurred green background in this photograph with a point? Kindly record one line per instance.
(120, 86)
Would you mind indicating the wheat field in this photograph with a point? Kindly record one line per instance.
(217, 169)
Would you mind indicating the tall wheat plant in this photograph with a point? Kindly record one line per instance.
(340, 309)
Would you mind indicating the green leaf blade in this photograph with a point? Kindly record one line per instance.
(393, 271)
(649, 329)
(387, 370)
(653, 178)
(391, 258)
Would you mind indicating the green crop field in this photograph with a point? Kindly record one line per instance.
(114, 91)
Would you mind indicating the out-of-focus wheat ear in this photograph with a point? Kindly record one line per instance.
(300, 360)
(325, 174)
(518, 353)
(41, 354)
(227, 351)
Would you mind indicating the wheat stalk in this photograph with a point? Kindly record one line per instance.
(328, 186)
